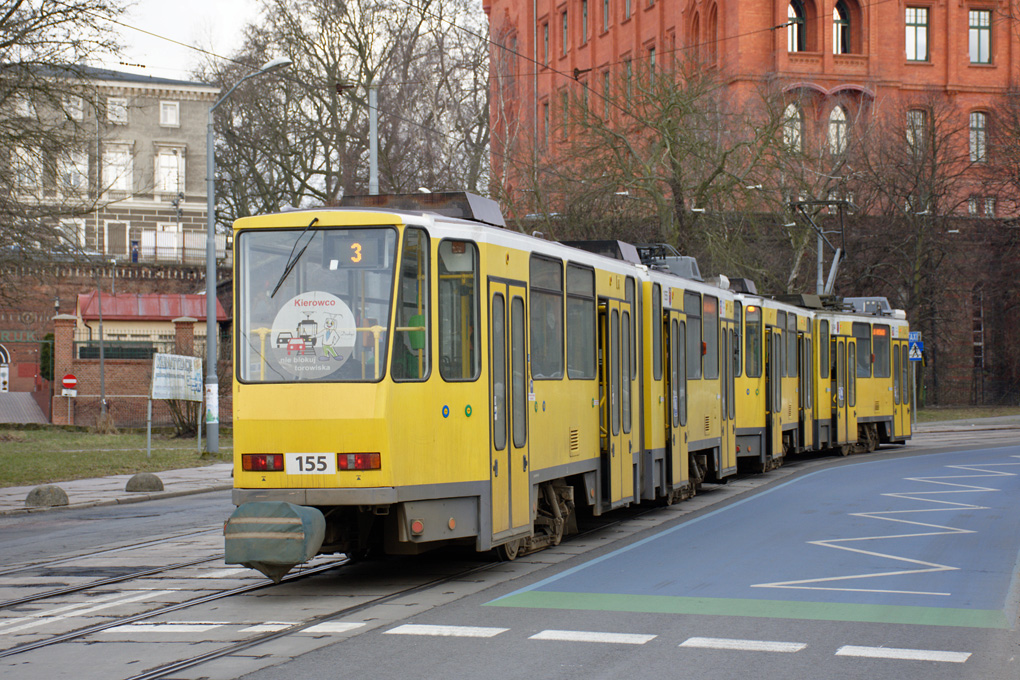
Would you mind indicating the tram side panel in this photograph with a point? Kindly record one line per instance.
(751, 385)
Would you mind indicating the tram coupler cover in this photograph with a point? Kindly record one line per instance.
(273, 536)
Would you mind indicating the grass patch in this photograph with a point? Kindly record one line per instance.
(41, 456)
(940, 413)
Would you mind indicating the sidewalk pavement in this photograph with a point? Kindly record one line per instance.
(83, 493)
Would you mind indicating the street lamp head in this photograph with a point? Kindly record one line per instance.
(275, 65)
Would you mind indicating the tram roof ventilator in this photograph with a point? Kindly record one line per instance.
(458, 204)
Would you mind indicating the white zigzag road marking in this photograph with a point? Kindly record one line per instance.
(888, 516)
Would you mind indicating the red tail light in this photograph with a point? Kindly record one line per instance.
(358, 461)
(262, 462)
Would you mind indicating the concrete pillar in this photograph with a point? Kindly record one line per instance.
(184, 336)
(63, 364)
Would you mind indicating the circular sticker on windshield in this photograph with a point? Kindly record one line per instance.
(313, 334)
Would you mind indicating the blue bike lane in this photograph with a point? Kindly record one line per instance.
(930, 539)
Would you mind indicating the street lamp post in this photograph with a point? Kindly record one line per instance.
(212, 394)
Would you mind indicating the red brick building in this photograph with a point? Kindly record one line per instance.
(833, 57)
(833, 65)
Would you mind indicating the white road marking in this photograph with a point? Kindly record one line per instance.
(889, 516)
(744, 645)
(903, 654)
(224, 573)
(446, 631)
(42, 618)
(171, 627)
(590, 636)
(332, 627)
(268, 627)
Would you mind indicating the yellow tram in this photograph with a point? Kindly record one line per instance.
(408, 375)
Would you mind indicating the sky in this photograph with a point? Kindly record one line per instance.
(214, 25)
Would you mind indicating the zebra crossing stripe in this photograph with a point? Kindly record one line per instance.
(446, 631)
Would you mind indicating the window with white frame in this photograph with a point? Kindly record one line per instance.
(74, 107)
(170, 170)
(605, 15)
(116, 110)
(989, 207)
(117, 168)
(980, 21)
(837, 131)
(27, 166)
(72, 170)
(170, 114)
(841, 28)
(978, 137)
(972, 206)
(917, 33)
(584, 21)
(795, 36)
(793, 128)
(72, 232)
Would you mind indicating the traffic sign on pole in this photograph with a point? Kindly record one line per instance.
(915, 350)
(69, 382)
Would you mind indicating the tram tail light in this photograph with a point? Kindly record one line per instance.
(262, 462)
(358, 461)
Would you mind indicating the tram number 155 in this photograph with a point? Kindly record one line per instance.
(310, 463)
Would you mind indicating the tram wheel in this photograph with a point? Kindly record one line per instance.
(509, 551)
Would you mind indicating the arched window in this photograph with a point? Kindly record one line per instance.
(837, 131)
(796, 38)
(793, 128)
(713, 34)
(696, 34)
(841, 28)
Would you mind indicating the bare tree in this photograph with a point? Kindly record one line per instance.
(44, 92)
(305, 140)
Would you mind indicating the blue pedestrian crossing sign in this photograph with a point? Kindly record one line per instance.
(914, 352)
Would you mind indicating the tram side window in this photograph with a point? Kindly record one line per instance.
(862, 332)
(546, 319)
(824, 367)
(459, 344)
(791, 346)
(906, 375)
(781, 348)
(625, 382)
(753, 342)
(656, 331)
(692, 308)
(880, 346)
(411, 351)
(710, 328)
(632, 360)
(851, 384)
(580, 322)
(738, 314)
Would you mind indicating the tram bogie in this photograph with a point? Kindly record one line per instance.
(458, 383)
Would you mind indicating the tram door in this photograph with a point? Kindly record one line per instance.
(807, 388)
(728, 408)
(774, 392)
(675, 372)
(616, 438)
(844, 391)
(508, 465)
(901, 389)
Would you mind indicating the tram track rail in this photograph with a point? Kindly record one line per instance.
(104, 582)
(98, 628)
(42, 564)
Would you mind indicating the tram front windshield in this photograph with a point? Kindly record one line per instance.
(314, 304)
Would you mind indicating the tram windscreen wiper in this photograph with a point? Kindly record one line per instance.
(293, 259)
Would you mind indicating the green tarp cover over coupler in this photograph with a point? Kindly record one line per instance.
(273, 536)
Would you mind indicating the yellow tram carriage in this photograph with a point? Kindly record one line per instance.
(408, 376)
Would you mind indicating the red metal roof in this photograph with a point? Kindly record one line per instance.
(145, 307)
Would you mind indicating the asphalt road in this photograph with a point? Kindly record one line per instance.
(893, 567)
(76, 531)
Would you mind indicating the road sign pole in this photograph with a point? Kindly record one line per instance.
(913, 388)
